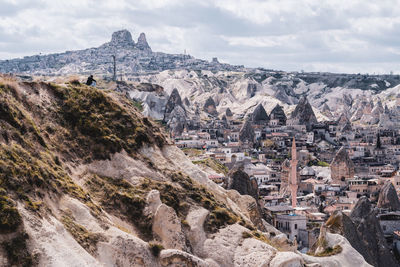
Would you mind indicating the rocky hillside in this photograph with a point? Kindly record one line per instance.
(131, 58)
(86, 180)
(243, 92)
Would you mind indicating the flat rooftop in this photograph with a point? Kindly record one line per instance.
(278, 208)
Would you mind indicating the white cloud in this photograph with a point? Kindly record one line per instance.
(335, 35)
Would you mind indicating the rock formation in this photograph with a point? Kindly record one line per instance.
(369, 230)
(388, 198)
(342, 167)
(174, 100)
(122, 39)
(142, 43)
(241, 182)
(259, 115)
(278, 113)
(99, 185)
(246, 133)
(251, 89)
(303, 114)
(228, 112)
(210, 107)
(343, 119)
(347, 127)
(186, 102)
(175, 113)
(326, 111)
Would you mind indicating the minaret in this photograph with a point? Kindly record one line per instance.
(293, 174)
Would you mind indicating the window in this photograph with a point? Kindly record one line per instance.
(295, 226)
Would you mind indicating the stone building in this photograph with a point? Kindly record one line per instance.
(342, 168)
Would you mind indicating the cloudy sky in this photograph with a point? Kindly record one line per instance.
(293, 35)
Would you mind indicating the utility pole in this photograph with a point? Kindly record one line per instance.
(115, 69)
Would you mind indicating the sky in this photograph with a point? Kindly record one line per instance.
(351, 36)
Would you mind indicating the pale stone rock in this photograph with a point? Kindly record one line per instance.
(348, 257)
(287, 259)
(222, 245)
(152, 202)
(253, 253)
(196, 235)
(167, 227)
(125, 251)
(174, 258)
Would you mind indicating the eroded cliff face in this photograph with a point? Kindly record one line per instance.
(86, 180)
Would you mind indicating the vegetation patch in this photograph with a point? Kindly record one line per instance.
(213, 164)
(85, 238)
(29, 176)
(17, 251)
(10, 218)
(246, 235)
(98, 124)
(329, 251)
(155, 248)
(121, 198)
(192, 152)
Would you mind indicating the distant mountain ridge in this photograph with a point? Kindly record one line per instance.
(131, 57)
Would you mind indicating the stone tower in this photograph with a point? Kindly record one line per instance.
(342, 168)
(293, 174)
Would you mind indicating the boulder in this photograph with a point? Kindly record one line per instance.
(339, 223)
